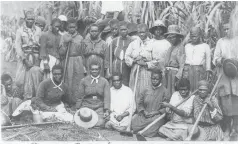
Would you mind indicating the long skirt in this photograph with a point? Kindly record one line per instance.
(74, 74)
(142, 82)
(120, 66)
(29, 79)
(210, 133)
(139, 122)
(170, 78)
(194, 73)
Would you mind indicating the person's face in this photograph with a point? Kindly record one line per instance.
(72, 28)
(63, 26)
(30, 19)
(41, 26)
(116, 82)
(114, 29)
(172, 39)
(56, 27)
(123, 31)
(8, 85)
(94, 32)
(57, 75)
(94, 70)
(203, 91)
(155, 79)
(195, 37)
(142, 33)
(158, 32)
(183, 91)
(226, 31)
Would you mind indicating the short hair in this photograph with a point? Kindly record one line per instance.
(113, 22)
(5, 77)
(141, 26)
(156, 71)
(94, 62)
(72, 20)
(183, 82)
(117, 74)
(54, 21)
(58, 67)
(93, 25)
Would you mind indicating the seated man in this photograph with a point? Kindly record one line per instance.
(50, 95)
(11, 95)
(150, 107)
(122, 105)
(180, 117)
(94, 93)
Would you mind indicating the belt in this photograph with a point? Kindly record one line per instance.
(31, 49)
(192, 65)
(205, 124)
(171, 68)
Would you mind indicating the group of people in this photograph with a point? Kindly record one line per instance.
(121, 80)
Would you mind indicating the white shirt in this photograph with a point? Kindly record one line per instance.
(111, 6)
(122, 100)
(187, 107)
(198, 55)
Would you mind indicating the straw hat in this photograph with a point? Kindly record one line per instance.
(158, 23)
(230, 67)
(174, 29)
(86, 118)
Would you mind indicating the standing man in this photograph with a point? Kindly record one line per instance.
(197, 59)
(122, 105)
(113, 24)
(63, 26)
(94, 93)
(29, 74)
(119, 46)
(228, 86)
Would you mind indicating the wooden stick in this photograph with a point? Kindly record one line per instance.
(163, 115)
(66, 61)
(24, 125)
(204, 106)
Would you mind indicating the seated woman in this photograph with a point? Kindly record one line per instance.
(149, 107)
(94, 93)
(50, 95)
(208, 126)
(180, 117)
(11, 95)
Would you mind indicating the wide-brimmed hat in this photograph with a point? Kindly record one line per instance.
(174, 29)
(86, 118)
(230, 67)
(158, 23)
(63, 18)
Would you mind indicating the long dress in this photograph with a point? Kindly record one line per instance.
(139, 49)
(96, 51)
(119, 47)
(27, 47)
(197, 61)
(49, 50)
(75, 69)
(150, 100)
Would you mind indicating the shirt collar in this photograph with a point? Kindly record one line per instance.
(95, 79)
(157, 86)
(119, 88)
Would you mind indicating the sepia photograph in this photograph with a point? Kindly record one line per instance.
(119, 71)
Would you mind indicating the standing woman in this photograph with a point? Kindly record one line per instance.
(197, 59)
(119, 46)
(138, 55)
(175, 58)
(49, 43)
(96, 49)
(160, 46)
(72, 42)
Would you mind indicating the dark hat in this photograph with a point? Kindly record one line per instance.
(158, 23)
(230, 67)
(174, 29)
